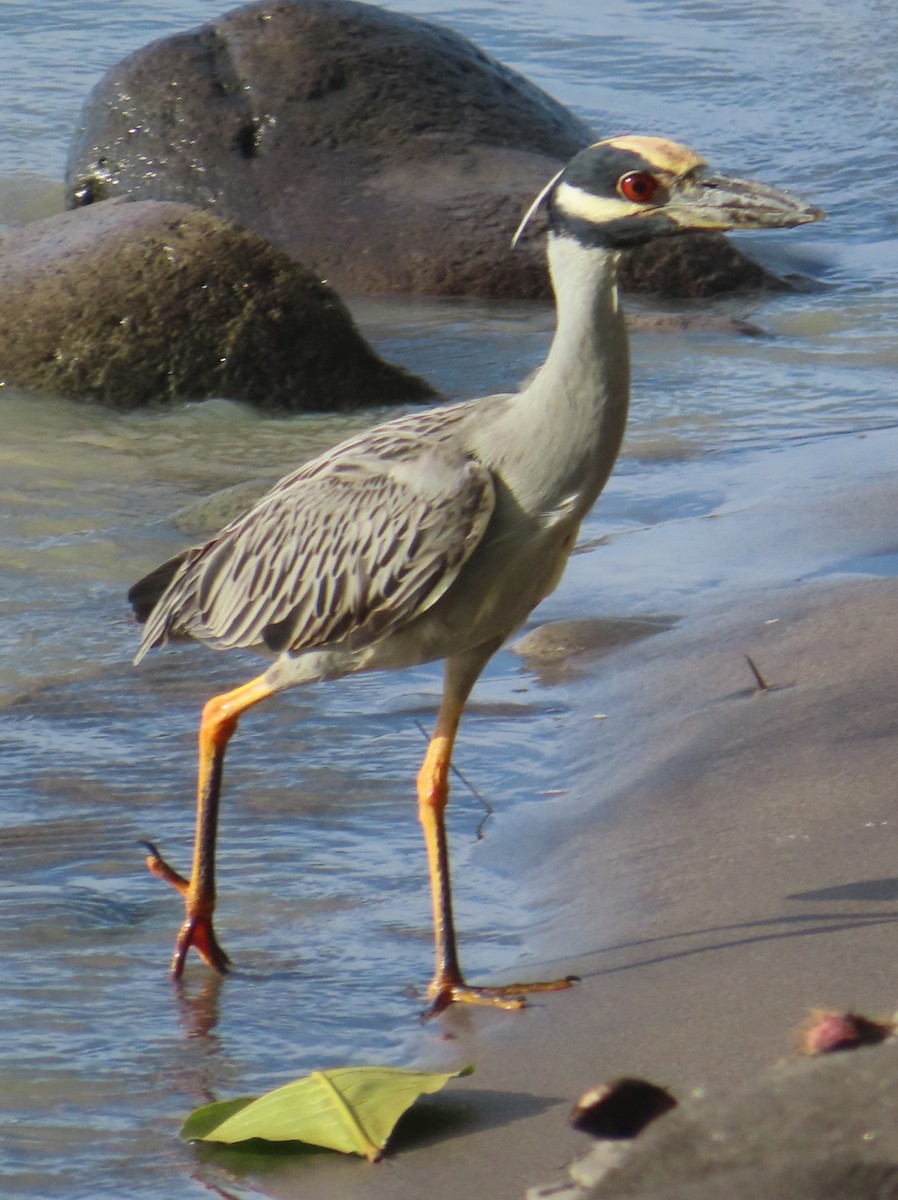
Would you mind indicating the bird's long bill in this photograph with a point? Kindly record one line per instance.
(716, 202)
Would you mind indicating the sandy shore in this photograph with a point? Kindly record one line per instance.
(726, 859)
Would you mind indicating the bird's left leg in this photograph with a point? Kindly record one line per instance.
(448, 985)
(219, 721)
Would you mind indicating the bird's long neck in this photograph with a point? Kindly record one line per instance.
(576, 405)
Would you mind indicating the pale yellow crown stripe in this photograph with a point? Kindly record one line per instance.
(660, 153)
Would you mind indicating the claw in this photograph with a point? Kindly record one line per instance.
(157, 866)
(197, 931)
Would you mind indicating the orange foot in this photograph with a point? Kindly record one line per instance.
(443, 992)
(197, 930)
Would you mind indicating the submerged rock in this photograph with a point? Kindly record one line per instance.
(558, 641)
(385, 152)
(132, 303)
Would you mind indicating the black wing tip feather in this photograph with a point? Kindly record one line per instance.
(144, 595)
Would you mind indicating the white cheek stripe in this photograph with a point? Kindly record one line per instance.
(575, 202)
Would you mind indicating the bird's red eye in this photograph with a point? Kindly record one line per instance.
(638, 186)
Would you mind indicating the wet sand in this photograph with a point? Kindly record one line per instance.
(725, 861)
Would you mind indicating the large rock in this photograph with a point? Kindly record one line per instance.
(385, 152)
(130, 303)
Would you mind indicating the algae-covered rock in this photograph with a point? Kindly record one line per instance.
(131, 303)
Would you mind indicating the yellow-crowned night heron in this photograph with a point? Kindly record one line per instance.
(434, 535)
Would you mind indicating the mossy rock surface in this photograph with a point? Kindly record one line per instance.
(134, 303)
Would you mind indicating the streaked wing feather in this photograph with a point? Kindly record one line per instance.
(350, 546)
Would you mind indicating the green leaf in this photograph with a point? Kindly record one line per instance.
(203, 1120)
(350, 1109)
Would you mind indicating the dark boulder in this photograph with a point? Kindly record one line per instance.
(131, 303)
(386, 153)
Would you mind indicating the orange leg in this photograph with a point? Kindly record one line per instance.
(220, 717)
(448, 985)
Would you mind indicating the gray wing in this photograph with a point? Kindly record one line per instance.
(351, 546)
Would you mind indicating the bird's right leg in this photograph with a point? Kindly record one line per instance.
(219, 721)
(448, 985)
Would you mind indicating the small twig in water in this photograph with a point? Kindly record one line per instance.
(763, 685)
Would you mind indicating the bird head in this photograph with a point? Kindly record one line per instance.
(629, 190)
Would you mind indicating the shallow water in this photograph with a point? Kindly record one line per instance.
(324, 902)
